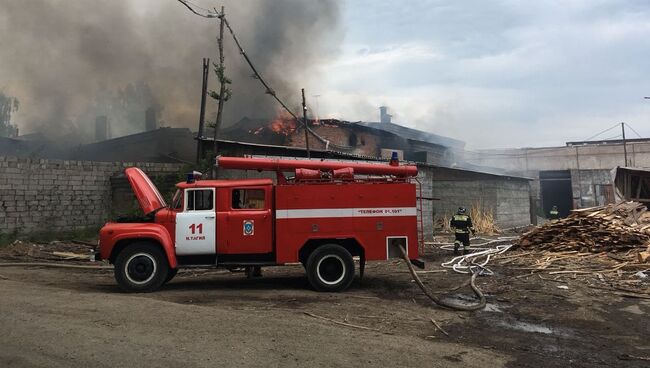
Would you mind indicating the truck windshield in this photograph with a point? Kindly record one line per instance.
(176, 201)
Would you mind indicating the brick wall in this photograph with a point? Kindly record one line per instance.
(40, 196)
(364, 143)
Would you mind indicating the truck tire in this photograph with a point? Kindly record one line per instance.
(170, 275)
(330, 267)
(141, 268)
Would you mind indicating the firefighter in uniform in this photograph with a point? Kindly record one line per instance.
(554, 214)
(462, 225)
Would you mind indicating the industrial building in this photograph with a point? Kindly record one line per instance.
(578, 175)
(445, 185)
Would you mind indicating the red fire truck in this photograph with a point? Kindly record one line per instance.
(318, 213)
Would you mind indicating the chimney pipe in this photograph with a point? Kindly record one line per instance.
(150, 120)
(101, 128)
(384, 117)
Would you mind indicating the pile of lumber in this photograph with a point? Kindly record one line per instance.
(644, 256)
(610, 228)
(620, 273)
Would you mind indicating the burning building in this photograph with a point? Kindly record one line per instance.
(368, 139)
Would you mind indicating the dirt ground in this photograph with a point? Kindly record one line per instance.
(78, 318)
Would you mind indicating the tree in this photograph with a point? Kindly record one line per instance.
(224, 93)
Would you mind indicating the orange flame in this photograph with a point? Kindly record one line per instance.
(283, 124)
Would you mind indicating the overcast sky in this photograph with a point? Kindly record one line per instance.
(499, 73)
(494, 73)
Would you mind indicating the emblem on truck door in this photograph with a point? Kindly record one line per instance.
(249, 227)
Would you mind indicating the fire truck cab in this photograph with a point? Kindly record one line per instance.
(322, 216)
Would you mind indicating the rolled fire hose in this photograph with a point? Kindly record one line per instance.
(439, 301)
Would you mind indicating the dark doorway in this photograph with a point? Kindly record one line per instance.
(556, 191)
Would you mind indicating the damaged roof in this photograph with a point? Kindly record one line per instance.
(415, 134)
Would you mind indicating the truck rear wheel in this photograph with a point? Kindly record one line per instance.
(141, 268)
(330, 268)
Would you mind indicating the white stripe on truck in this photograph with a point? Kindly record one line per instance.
(345, 212)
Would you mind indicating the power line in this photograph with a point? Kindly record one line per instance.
(614, 137)
(209, 14)
(271, 92)
(604, 131)
(635, 132)
(198, 6)
(256, 74)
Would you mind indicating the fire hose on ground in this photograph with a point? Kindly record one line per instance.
(467, 264)
(479, 257)
(440, 301)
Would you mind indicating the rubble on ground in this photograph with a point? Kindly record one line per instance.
(620, 272)
(25, 251)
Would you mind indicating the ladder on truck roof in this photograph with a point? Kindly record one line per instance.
(420, 221)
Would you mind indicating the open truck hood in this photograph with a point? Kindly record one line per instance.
(145, 191)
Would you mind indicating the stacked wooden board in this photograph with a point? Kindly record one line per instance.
(610, 228)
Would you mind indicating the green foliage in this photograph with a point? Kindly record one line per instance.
(204, 166)
(220, 71)
(8, 238)
(167, 184)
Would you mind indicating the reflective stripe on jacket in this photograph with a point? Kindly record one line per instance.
(461, 223)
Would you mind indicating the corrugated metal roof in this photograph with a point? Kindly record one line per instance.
(345, 155)
(415, 134)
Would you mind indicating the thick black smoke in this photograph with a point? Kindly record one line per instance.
(69, 61)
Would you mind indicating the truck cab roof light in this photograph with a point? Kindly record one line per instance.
(394, 159)
(193, 176)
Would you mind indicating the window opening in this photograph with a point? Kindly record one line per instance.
(200, 200)
(248, 199)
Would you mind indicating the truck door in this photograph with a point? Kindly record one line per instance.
(196, 225)
(246, 225)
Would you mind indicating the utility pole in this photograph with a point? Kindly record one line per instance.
(204, 92)
(222, 88)
(304, 120)
(624, 144)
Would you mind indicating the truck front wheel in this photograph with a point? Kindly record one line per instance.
(330, 268)
(141, 268)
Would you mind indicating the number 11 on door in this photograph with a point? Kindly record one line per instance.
(196, 228)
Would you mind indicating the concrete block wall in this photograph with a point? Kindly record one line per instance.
(588, 187)
(604, 156)
(509, 200)
(513, 204)
(425, 177)
(453, 194)
(55, 196)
